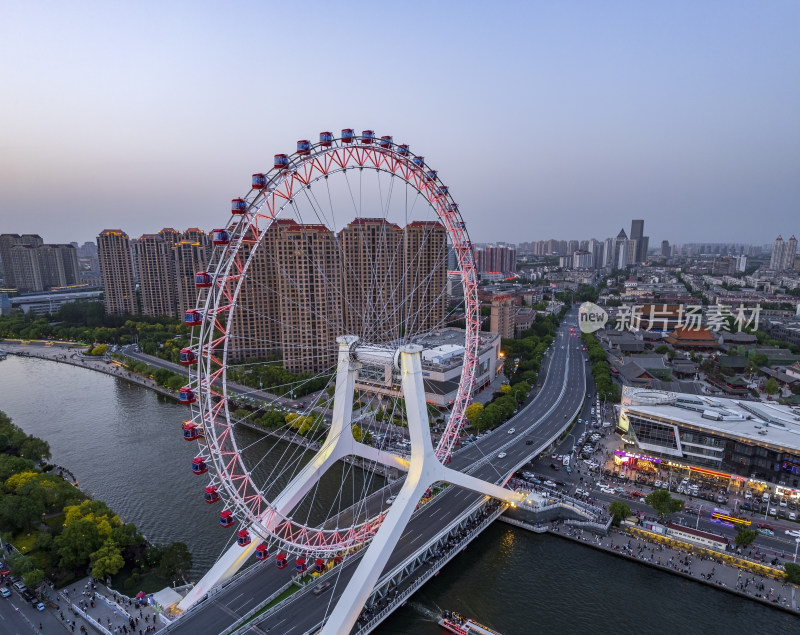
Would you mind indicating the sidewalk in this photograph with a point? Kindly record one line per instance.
(703, 569)
(91, 605)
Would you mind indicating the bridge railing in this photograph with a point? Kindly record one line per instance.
(419, 581)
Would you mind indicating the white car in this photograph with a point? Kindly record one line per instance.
(391, 499)
(502, 455)
(549, 483)
(512, 430)
(795, 533)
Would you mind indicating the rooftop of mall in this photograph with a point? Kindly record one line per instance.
(757, 422)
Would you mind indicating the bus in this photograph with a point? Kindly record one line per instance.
(726, 519)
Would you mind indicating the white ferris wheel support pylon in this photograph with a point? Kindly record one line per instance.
(338, 444)
(424, 470)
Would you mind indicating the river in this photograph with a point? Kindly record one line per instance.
(124, 445)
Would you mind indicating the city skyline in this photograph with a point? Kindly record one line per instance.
(680, 116)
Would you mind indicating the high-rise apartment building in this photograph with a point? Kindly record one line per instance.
(372, 263)
(309, 286)
(501, 320)
(24, 267)
(30, 265)
(783, 255)
(425, 275)
(190, 255)
(666, 252)
(116, 271)
(306, 286)
(496, 258)
(155, 267)
(58, 265)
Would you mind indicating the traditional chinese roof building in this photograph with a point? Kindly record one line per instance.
(693, 339)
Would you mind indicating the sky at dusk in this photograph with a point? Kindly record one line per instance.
(558, 119)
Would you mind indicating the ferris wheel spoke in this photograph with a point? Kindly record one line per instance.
(290, 277)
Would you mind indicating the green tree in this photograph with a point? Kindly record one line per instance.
(662, 350)
(745, 536)
(772, 386)
(619, 511)
(176, 560)
(20, 513)
(33, 578)
(77, 542)
(759, 359)
(473, 410)
(792, 574)
(107, 560)
(663, 503)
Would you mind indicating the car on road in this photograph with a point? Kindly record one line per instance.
(549, 483)
(512, 430)
(30, 597)
(529, 442)
(502, 455)
(391, 499)
(5, 592)
(794, 533)
(321, 587)
(40, 606)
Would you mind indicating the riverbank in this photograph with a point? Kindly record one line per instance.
(72, 354)
(685, 562)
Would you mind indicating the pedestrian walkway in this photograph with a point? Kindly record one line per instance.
(89, 606)
(702, 568)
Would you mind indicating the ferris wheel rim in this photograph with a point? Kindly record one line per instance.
(291, 535)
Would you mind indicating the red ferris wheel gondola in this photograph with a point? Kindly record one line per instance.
(259, 182)
(281, 162)
(243, 538)
(202, 280)
(191, 431)
(262, 552)
(199, 465)
(239, 206)
(347, 135)
(304, 147)
(326, 139)
(193, 317)
(220, 237)
(367, 137)
(226, 518)
(187, 357)
(280, 561)
(186, 396)
(211, 495)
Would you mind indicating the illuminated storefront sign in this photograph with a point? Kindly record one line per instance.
(628, 455)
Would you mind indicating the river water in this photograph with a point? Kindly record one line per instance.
(124, 445)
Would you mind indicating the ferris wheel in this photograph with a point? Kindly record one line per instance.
(342, 245)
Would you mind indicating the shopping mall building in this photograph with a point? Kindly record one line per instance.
(751, 443)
